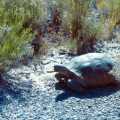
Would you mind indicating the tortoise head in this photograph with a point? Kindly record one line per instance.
(60, 68)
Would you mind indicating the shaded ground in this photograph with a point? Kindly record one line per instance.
(36, 96)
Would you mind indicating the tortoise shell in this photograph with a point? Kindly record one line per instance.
(87, 64)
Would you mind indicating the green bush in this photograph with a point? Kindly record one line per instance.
(13, 13)
(76, 18)
(111, 14)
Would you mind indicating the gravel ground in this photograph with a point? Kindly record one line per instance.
(36, 96)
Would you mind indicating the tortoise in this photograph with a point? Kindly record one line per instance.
(90, 70)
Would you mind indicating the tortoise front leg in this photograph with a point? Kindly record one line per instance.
(75, 86)
(62, 77)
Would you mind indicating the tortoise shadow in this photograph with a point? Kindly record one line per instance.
(7, 94)
(10, 92)
(88, 94)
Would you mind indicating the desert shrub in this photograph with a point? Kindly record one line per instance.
(110, 10)
(13, 13)
(77, 19)
(13, 43)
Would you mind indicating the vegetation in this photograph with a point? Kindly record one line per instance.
(13, 14)
(19, 18)
(110, 14)
(76, 19)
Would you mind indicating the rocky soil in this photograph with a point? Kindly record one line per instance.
(34, 94)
